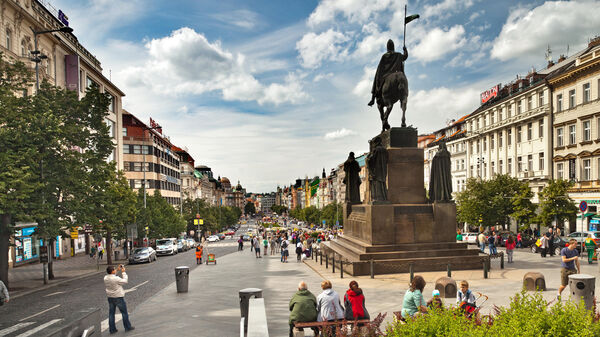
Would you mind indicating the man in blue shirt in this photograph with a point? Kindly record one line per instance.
(569, 264)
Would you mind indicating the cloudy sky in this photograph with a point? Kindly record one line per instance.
(267, 91)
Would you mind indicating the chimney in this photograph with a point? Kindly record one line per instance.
(550, 63)
(561, 58)
(594, 42)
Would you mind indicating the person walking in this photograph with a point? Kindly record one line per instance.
(543, 246)
(481, 241)
(199, 254)
(272, 243)
(257, 248)
(265, 245)
(284, 250)
(116, 297)
(93, 251)
(459, 237)
(100, 252)
(590, 247)
(550, 241)
(569, 265)
(492, 244)
(4, 296)
(510, 247)
(519, 240)
(298, 250)
(252, 243)
(241, 243)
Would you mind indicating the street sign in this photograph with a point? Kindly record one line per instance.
(324, 222)
(583, 206)
(43, 254)
(88, 228)
(74, 233)
(132, 231)
(198, 222)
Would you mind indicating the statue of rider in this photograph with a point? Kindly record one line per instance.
(390, 62)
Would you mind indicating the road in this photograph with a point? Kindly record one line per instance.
(28, 314)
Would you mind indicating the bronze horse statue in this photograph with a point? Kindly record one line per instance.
(394, 89)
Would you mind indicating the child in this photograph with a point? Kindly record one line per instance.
(435, 302)
(465, 298)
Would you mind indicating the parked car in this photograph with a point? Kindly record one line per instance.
(558, 244)
(143, 254)
(246, 237)
(192, 243)
(470, 238)
(213, 238)
(166, 246)
(221, 236)
(180, 246)
(581, 236)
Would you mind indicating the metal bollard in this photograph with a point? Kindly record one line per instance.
(326, 261)
(485, 270)
(372, 271)
(333, 262)
(341, 268)
(501, 260)
(321, 256)
(449, 270)
(410, 269)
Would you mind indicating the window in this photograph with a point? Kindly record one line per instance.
(510, 111)
(519, 107)
(478, 150)
(541, 163)
(572, 139)
(529, 102)
(147, 149)
(24, 52)
(500, 134)
(541, 128)
(560, 137)
(541, 99)
(509, 137)
(493, 167)
(111, 127)
(492, 141)
(124, 132)
(559, 105)
(111, 103)
(493, 117)
(587, 169)
(89, 82)
(137, 149)
(462, 164)
(485, 144)
(530, 163)
(509, 166)
(529, 130)
(519, 164)
(571, 99)
(519, 133)
(587, 130)
(560, 170)
(472, 171)
(587, 93)
(500, 166)
(8, 39)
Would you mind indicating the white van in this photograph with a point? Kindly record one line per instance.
(166, 246)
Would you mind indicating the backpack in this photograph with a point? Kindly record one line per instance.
(284, 244)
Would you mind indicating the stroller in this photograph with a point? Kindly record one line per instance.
(471, 309)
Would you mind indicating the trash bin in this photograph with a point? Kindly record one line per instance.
(182, 275)
(582, 287)
(245, 295)
(117, 254)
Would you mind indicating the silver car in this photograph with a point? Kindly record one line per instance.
(143, 254)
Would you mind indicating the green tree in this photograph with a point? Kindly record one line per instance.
(329, 214)
(312, 215)
(250, 208)
(279, 209)
(18, 178)
(523, 208)
(555, 203)
(162, 219)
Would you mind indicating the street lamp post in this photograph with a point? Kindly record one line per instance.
(37, 58)
(144, 174)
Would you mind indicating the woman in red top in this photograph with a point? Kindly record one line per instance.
(519, 241)
(354, 301)
(510, 247)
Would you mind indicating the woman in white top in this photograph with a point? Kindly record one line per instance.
(329, 306)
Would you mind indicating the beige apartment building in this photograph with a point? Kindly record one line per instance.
(149, 156)
(65, 62)
(576, 101)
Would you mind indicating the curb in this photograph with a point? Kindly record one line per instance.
(315, 270)
(44, 287)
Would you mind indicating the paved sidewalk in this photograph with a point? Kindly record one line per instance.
(29, 278)
(385, 293)
(211, 307)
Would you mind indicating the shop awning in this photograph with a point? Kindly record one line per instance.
(589, 214)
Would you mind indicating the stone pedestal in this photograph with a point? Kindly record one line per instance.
(406, 229)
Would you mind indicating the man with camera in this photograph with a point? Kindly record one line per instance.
(116, 297)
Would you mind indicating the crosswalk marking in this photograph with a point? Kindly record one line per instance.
(40, 328)
(15, 328)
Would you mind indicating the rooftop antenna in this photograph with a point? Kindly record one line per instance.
(567, 50)
(549, 54)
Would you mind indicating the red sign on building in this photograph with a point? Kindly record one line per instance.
(490, 93)
(155, 126)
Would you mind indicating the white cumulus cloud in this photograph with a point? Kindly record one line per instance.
(354, 11)
(438, 42)
(316, 48)
(445, 8)
(527, 33)
(337, 134)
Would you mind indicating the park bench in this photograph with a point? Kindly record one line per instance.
(322, 325)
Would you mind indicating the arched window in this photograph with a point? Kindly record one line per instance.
(8, 39)
(24, 48)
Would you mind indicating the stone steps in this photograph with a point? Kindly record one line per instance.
(364, 247)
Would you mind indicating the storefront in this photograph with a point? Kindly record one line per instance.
(27, 244)
(588, 217)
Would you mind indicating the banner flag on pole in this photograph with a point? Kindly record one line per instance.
(410, 18)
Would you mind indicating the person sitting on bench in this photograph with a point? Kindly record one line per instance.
(303, 307)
